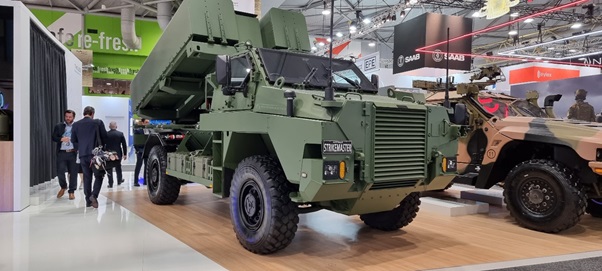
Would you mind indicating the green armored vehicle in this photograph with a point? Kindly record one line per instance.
(551, 168)
(252, 120)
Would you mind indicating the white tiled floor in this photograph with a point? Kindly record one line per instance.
(61, 234)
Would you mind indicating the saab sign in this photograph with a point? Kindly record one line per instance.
(369, 63)
(431, 28)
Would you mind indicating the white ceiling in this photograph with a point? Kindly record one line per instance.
(556, 24)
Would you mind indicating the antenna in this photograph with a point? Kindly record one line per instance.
(446, 102)
(329, 92)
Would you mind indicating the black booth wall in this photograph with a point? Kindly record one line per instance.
(48, 101)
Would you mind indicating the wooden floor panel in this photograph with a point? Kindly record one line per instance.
(330, 241)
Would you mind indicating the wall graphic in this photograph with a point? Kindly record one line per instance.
(567, 88)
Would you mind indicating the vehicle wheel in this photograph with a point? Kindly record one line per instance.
(397, 218)
(594, 207)
(263, 215)
(162, 189)
(544, 195)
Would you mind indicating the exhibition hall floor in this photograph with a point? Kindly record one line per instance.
(62, 234)
(127, 232)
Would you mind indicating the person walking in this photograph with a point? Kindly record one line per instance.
(581, 110)
(66, 154)
(116, 142)
(139, 130)
(88, 134)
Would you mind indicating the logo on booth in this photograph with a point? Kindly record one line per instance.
(541, 74)
(439, 56)
(401, 60)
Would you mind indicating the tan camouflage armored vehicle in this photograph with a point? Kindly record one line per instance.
(550, 167)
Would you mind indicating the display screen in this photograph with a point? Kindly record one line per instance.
(297, 68)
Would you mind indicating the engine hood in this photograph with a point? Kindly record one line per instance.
(583, 137)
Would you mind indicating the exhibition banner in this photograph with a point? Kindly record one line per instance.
(102, 35)
(540, 74)
(369, 64)
(426, 29)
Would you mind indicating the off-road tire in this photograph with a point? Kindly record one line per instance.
(397, 218)
(594, 207)
(544, 195)
(162, 188)
(263, 216)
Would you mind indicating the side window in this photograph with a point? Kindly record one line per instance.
(240, 70)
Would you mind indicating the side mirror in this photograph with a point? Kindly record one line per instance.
(222, 70)
(460, 114)
(374, 80)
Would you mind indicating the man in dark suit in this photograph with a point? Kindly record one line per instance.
(85, 135)
(66, 154)
(116, 142)
(139, 130)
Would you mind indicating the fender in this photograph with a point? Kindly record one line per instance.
(151, 141)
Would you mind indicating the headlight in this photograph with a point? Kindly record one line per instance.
(334, 170)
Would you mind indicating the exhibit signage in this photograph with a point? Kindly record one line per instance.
(426, 29)
(103, 34)
(369, 64)
(540, 74)
(247, 6)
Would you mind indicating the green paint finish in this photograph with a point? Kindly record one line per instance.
(47, 17)
(397, 145)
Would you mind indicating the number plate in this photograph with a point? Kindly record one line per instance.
(336, 147)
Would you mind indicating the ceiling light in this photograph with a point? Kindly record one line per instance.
(529, 20)
(339, 34)
(372, 44)
(550, 48)
(413, 2)
(582, 59)
(326, 12)
(538, 58)
(546, 61)
(558, 53)
(576, 25)
(408, 9)
(524, 59)
(352, 28)
(514, 15)
(476, 14)
(314, 48)
(321, 44)
(512, 32)
(366, 20)
(328, 40)
(573, 51)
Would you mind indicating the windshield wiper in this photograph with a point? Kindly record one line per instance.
(351, 82)
(309, 76)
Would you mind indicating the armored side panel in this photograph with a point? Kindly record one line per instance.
(282, 29)
(170, 84)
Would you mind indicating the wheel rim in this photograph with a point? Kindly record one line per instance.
(251, 205)
(537, 196)
(153, 182)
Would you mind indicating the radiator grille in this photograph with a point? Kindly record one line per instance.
(399, 149)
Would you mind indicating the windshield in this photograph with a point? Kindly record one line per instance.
(527, 109)
(494, 106)
(297, 68)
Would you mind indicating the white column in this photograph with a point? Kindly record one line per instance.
(21, 106)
